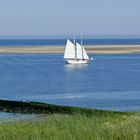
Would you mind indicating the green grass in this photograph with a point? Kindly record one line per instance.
(74, 127)
(68, 123)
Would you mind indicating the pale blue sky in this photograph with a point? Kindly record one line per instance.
(60, 17)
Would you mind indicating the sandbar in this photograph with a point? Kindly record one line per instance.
(93, 49)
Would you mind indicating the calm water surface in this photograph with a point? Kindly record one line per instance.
(56, 42)
(110, 82)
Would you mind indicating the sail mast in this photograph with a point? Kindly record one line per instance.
(82, 47)
(75, 45)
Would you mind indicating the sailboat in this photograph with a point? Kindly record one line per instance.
(75, 54)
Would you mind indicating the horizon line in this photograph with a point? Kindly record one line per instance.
(68, 36)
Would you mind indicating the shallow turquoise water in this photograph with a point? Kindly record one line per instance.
(110, 82)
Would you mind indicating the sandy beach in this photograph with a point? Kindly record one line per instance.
(97, 49)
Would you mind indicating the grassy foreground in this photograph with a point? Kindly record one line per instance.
(74, 124)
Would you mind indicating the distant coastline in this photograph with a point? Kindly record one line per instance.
(91, 49)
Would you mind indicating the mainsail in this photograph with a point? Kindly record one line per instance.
(81, 53)
(70, 50)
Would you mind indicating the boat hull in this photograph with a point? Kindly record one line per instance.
(77, 61)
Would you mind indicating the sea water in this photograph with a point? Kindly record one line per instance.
(58, 42)
(8, 117)
(110, 82)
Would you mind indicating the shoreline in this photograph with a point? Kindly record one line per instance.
(26, 107)
(91, 49)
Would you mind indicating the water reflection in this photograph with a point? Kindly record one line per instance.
(76, 66)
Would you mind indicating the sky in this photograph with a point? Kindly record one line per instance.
(99, 18)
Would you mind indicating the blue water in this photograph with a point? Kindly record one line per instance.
(110, 82)
(5, 116)
(52, 42)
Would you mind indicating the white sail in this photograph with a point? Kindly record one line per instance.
(70, 50)
(85, 54)
(81, 53)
